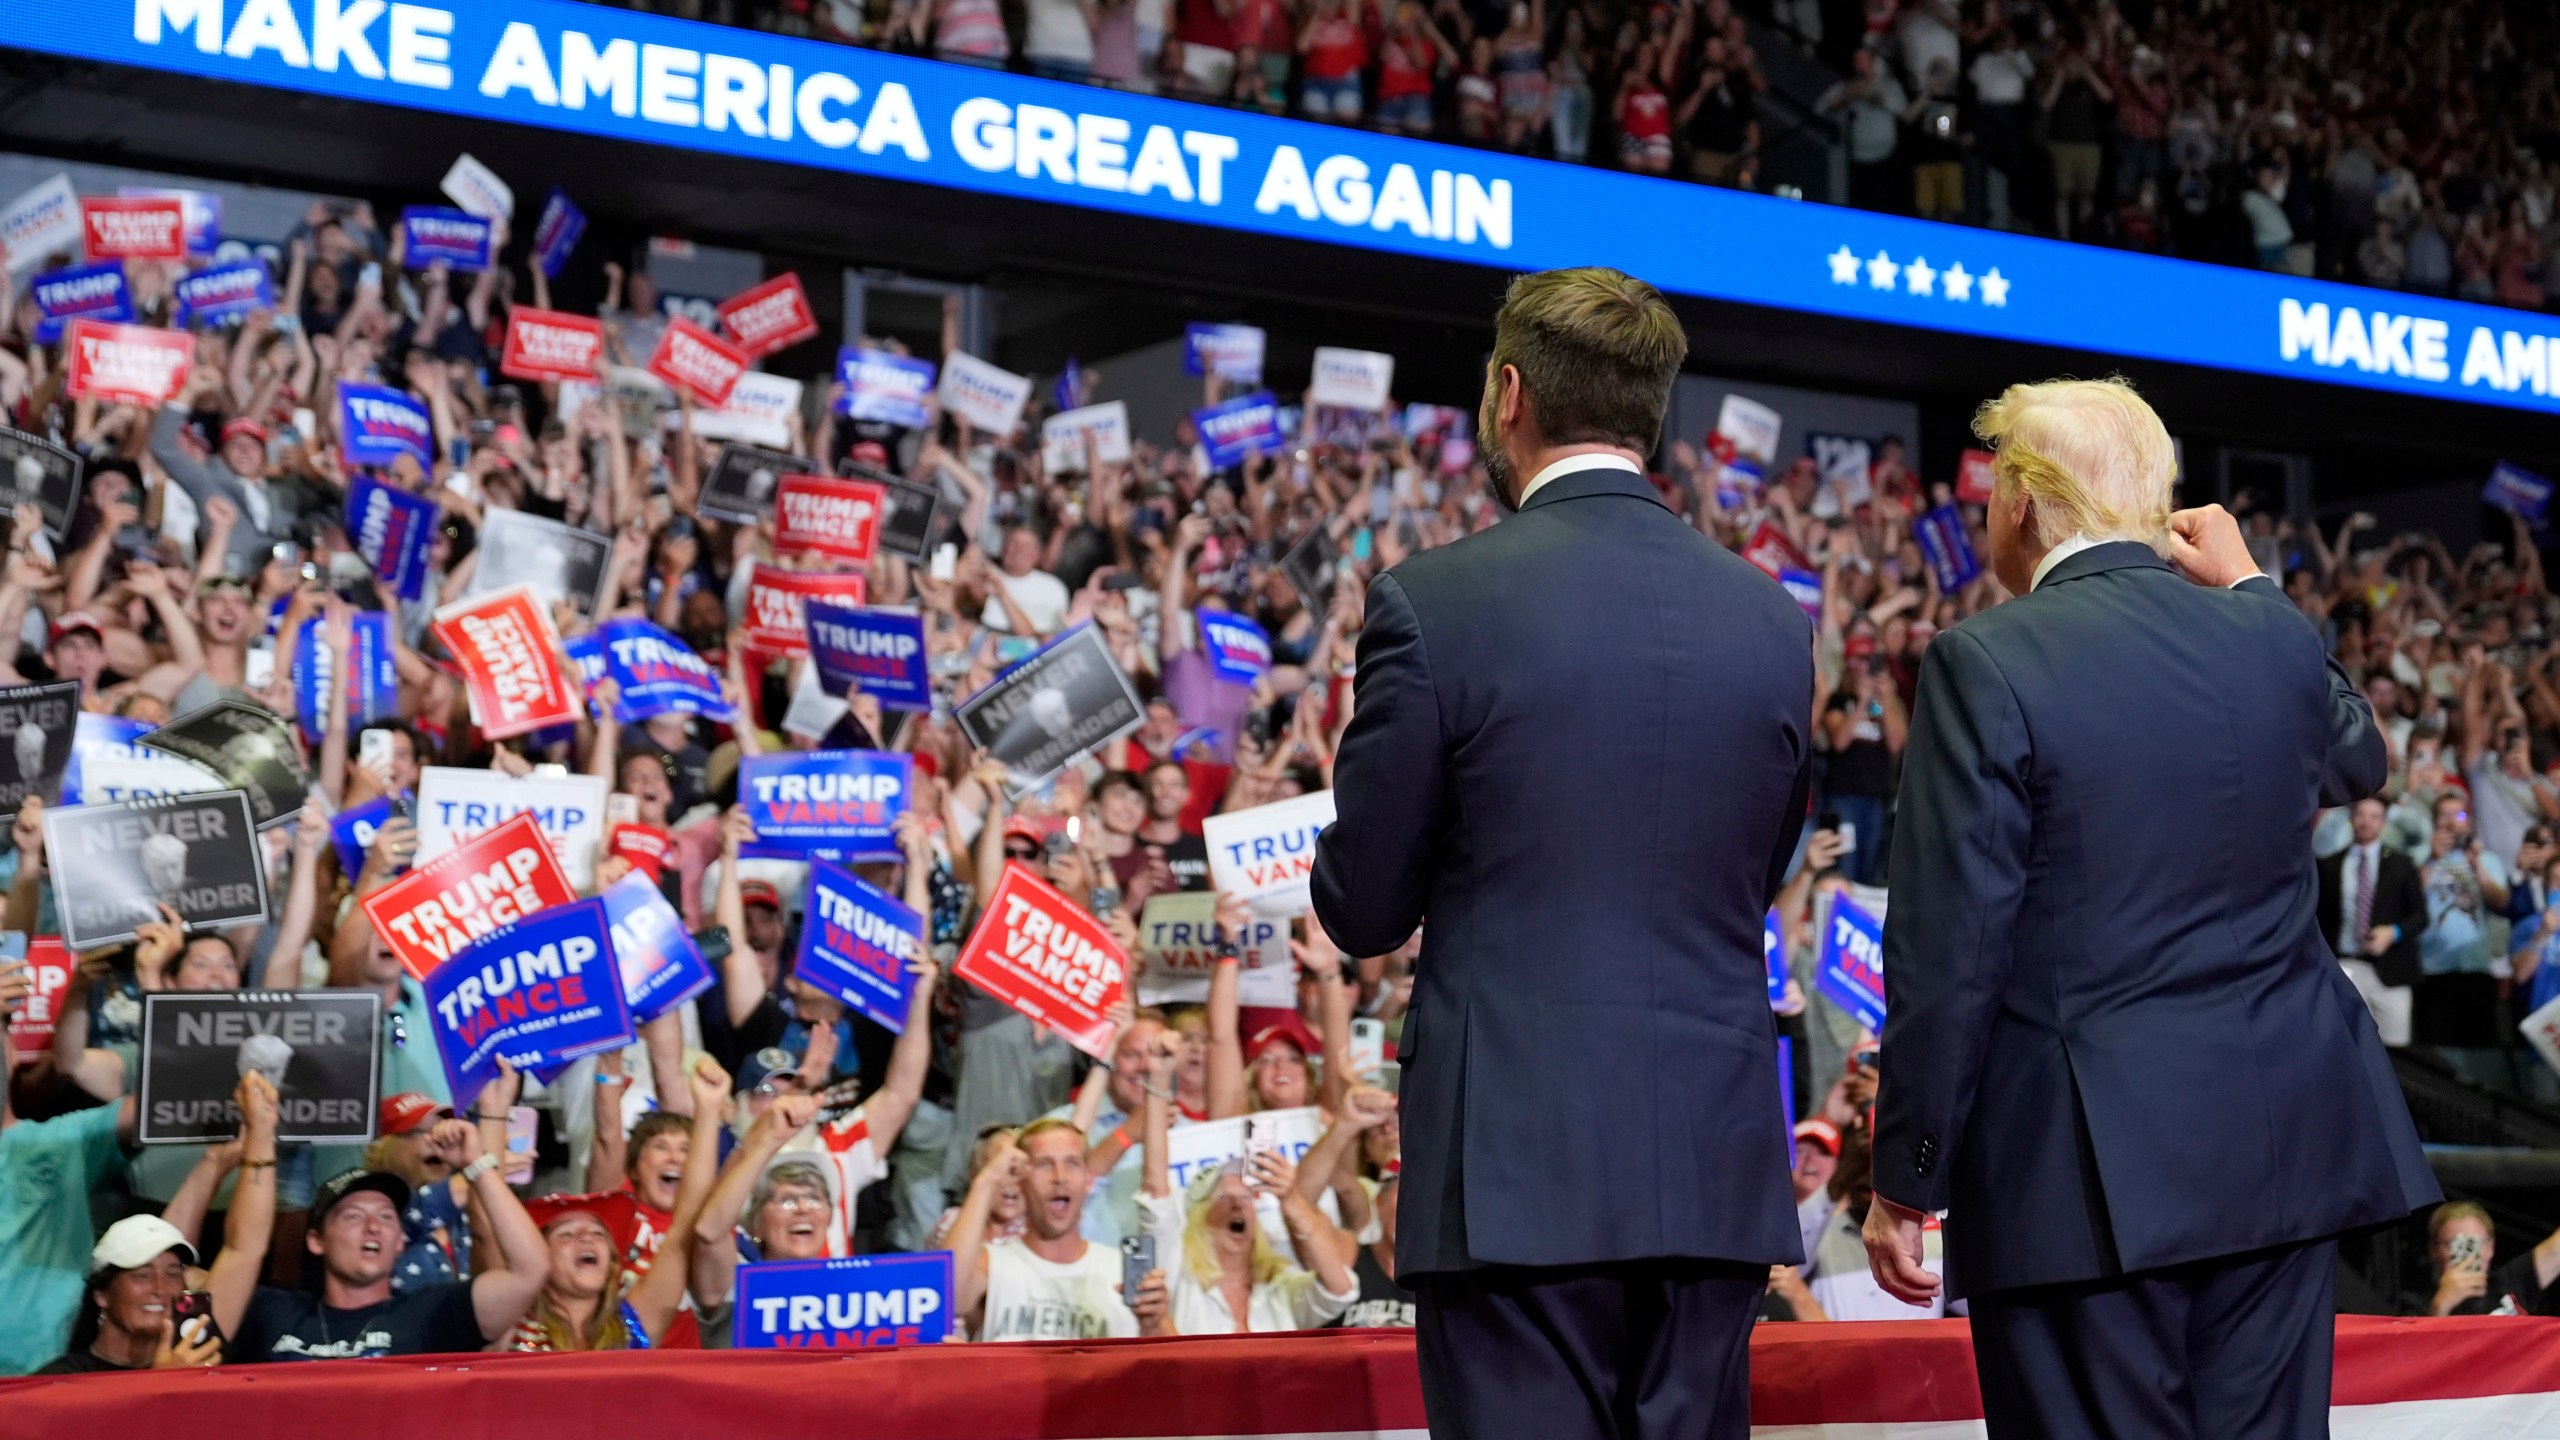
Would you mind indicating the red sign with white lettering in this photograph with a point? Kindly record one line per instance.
(839, 519)
(773, 315)
(129, 364)
(698, 362)
(1771, 550)
(133, 228)
(510, 661)
(495, 878)
(1040, 953)
(1974, 478)
(777, 614)
(548, 345)
(49, 972)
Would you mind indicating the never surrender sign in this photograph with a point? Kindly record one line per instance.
(510, 661)
(743, 480)
(841, 804)
(550, 345)
(1040, 953)
(839, 519)
(249, 747)
(469, 892)
(1055, 705)
(37, 726)
(114, 866)
(857, 943)
(860, 1302)
(879, 652)
(319, 1048)
(538, 993)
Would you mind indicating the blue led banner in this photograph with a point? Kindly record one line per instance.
(634, 76)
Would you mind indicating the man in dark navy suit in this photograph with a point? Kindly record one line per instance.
(1579, 749)
(2119, 1052)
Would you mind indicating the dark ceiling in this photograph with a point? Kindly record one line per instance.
(1093, 283)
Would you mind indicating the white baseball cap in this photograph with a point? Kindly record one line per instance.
(136, 1241)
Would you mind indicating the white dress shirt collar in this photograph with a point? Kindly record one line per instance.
(1575, 464)
(2064, 550)
(2055, 556)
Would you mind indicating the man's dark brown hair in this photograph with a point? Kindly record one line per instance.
(1596, 349)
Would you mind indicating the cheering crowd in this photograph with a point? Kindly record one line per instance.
(629, 1198)
(2392, 144)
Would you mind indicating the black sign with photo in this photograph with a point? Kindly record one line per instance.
(36, 727)
(317, 1047)
(907, 517)
(559, 561)
(114, 866)
(43, 474)
(1054, 706)
(742, 481)
(1311, 566)
(249, 747)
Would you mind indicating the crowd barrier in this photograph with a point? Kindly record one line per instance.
(2396, 1380)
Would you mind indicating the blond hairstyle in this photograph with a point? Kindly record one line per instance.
(1596, 349)
(1200, 1254)
(2091, 456)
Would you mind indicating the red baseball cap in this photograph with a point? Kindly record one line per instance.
(1288, 1027)
(1022, 827)
(869, 452)
(760, 892)
(75, 620)
(1820, 1132)
(616, 1210)
(406, 1112)
(240, 425)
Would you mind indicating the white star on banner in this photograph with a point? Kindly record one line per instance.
(1881, 270)
(1959, 281)
(1919, 276)
(1844, 266)
(1995, 287)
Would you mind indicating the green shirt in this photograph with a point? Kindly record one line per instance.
(410, 1062)
(47, 1169)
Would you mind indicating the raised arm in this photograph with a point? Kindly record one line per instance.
(968, 1239)
(250, 1226)
(715, 1232)
(1225, 1077)
(660, 1293)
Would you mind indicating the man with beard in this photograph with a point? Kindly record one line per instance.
(1581, 929)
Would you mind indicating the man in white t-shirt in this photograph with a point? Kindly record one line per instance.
(1049, 1283)
(1034, 601)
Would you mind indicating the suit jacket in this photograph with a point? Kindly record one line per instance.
(2116, 1035)
(2399, 898)
(1581, 748)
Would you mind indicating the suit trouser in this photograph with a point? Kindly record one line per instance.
(2230, 1349)
(1635, 1350)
